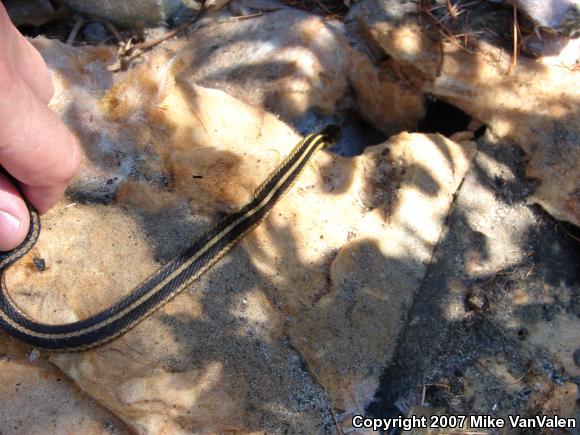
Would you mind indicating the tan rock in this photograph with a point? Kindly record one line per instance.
(563, 401)
(384, 93)
(535, 105)
(37, 398)
(381, 259)
(560, 338)
(383, 98)
(290, 63)
(285, 60)
(292, 322)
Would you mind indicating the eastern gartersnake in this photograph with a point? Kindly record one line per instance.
(169, 280)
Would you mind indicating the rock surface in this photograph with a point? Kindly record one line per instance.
(493, 329)
(292, 330)
(288, 332)
(535, 105)
(296, 65)
(284, 60)
(31, 12)
(551, 14)
(128, 13)
(37, 398)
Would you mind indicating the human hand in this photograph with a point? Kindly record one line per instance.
(36, 148)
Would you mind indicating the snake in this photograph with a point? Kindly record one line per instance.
(170, 279)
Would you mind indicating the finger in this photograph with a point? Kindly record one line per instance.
(33, 70)
(25, 59)
(43, 198)
(36, 148)
(14, 218)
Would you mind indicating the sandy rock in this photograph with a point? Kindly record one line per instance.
(301, 73)
(563, 401)
(383, 98)
(560, 338)
(536, 108)
(126, 12)
(281, 59)
(536, 105)
(492, 330)
(37, 398)
(217, 359)
(288, 326)
(381, 260)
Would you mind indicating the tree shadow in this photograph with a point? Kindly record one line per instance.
(202, 341)
(273, 359)
(435, 352)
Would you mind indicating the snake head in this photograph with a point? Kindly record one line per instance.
(331, 134)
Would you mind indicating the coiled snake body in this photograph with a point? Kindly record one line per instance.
(169, 280)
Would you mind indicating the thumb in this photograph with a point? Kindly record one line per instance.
(14, 217)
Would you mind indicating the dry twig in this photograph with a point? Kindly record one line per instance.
(246, 17)
(568, 233)
(114, 31)
(445, 32)
(338, 427)
(516, 30)
(438, 385)
(153, 42)
(75, 31)
(510, 383)
(129, 51)
(452, 9)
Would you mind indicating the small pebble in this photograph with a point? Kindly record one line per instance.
(39, 263)
(477, 299)
(33, 356)
(95, 32)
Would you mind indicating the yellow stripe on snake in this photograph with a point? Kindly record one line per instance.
(169, 280)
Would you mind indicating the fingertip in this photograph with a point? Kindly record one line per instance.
(43, 198)
(14, 216)
(37, 148)
(34, 72)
